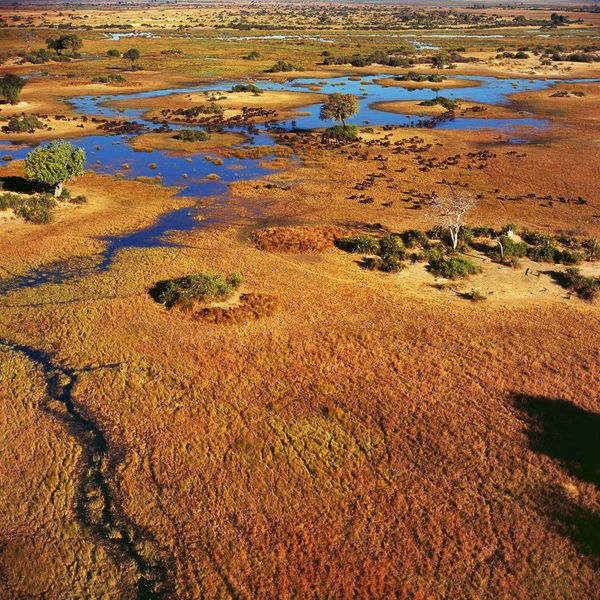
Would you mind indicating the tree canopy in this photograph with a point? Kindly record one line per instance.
(55, 164)
(10, 87)
(71, 42)
(339, 107)
(132, 54)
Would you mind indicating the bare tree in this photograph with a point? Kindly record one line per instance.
(451, 211)
(28, 38)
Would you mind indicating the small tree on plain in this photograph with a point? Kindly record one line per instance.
(132, 54)
(55, 164)
(10, 87)
(71, 42)
(339, 107)
(451, 211)
(439, 60)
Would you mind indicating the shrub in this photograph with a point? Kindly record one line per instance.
(78, 199)
(453, 267)
(27, 123)
(359, 244)
(511, 248)
(475, 295)
(196, 288)
(391, 245)
(36, 209)
(113, 52)
(570, 257)
(592, 248)
(281, 66)
(536, 238)
(193, 135)
(415, 238)
(585, 287)
(247, 87)
(483, 231)
(391, 263)
(544, 253)
(339, 132)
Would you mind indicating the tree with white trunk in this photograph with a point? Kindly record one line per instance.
(451, 212)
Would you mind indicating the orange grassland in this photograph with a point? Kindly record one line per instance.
(376, 437)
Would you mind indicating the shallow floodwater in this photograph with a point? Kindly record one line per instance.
(113, 154)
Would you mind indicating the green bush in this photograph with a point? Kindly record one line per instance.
(359, 244)
(585, 287)
(247, 87)
(196, 288)
(511, 248)
(591, 247)
(339, 132)
(281, 66)
(570, 257)
(391, 263)
(36, 209)
(414, 238)
(193, 135)
(483, 231)
(453, 267)
(113, 52)
(544, 253)
(536, 238)
(392, 245)
(475, 295)
(27, 123)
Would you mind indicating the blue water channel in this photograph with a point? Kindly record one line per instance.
(113, 154)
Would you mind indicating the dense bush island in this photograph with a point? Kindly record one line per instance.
(247, 87)
(339, 132)
(193, 135)
(197, 288)
(112, 78)
(453, 267)
(281, 66)
(27, 123)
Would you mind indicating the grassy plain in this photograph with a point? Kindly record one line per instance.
(378, 436)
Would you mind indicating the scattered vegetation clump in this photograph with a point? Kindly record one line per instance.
(247, 87)
(453, 267)
(254, 55)
(112, 78)
(299, 240)
(415, 238)
(188, 292)
(203, 109)
(27, 123)
(507, 248)
(113, 53)
(585, 287)
(392, 245)
(10, 87)
(441, 100)
(342, 133)
(475, 295)
(193, 135)
(282, 66)
(359, 244)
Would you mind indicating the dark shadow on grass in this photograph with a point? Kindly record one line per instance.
(570, 435)
(20, 185)
(158, 289)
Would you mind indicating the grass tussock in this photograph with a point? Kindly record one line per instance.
(252, 306)
(299, 240)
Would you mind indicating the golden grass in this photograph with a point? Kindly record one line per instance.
(364, 439)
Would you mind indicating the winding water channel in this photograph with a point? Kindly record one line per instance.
(109, 154)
